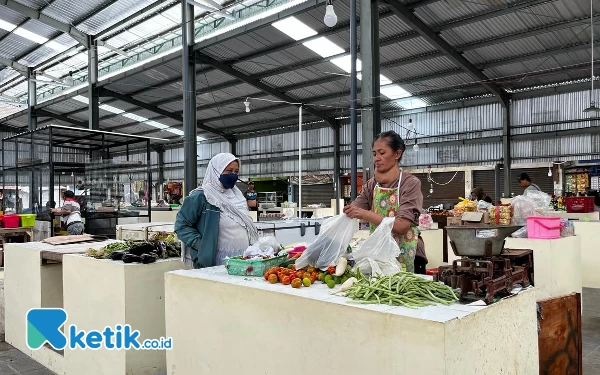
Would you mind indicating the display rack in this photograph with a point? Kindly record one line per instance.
(99, 166)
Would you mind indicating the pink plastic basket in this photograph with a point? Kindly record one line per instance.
(543, 227)
(11, 221)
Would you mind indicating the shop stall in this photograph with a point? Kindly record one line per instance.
(310, 328)
(95, 291)
(98, 166)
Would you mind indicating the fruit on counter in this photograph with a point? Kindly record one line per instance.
(306, 282)
(331, 270)
(286, 280)
(273, 278)
(296, 283)
(330, 283)
(337, 279)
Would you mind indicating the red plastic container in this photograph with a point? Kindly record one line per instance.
(11, 220)
(431, 271)
(579, 204)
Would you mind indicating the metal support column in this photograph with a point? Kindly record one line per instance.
(353, 124)
(233, 145)
(32, 95)
(93, 97)
(336, 169)
(189, 99)
(506, 146)
(160, 152)
(369, 53)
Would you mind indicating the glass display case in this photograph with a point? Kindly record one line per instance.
(108, 172)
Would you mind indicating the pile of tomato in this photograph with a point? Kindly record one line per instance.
(291, 276)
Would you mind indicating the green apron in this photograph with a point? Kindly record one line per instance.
(386, 203)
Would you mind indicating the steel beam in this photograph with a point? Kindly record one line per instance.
(496, 11)
(408, 17)
(44, 113)
(561, 25)
(79, 36)
(15, 65)
(266, 21)
(532, 56)
(104, 92)
(204, 59)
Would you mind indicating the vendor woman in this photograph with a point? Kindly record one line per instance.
(393, 192)
(214, 222)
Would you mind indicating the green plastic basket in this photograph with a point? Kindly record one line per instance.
(255, 267)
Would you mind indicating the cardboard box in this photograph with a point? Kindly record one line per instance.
(454, 220)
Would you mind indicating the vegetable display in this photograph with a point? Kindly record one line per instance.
(401, 289)
(306, 277)
(161, 246)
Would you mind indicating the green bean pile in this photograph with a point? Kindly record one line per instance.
(401, 289)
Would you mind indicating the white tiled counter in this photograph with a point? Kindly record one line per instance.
(223, 324)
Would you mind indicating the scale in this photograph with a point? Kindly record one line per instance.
(486, 269)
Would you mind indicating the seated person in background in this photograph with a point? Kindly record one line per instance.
(478, 195)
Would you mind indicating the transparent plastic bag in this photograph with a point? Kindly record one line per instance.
(333, 240)
(378, 254)
(425, 221)
(535, 203)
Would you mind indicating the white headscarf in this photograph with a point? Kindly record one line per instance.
(231, 201)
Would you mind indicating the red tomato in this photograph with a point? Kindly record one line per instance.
(273, 278)
(286, 280)
(310, 269)
(331, 270)
(300, 273)
(296, 283)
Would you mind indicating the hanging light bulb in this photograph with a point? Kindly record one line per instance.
(69, 79)
(330, 18)
(415, 147)
(247, 104)
(550, 171)
(431, 189)
(410, 124)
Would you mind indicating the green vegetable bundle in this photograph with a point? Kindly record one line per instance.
(401, 289)
(106, 251)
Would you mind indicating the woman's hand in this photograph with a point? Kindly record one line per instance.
(354, 212)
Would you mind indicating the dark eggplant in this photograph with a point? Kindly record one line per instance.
(118, 255)
(149, 258)
(139, 249)
(160, 248)
(131, 258)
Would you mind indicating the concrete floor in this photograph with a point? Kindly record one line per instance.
(13, 362)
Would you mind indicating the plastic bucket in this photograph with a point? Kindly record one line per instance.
(11, 220)
(27, 220)
(543, 227)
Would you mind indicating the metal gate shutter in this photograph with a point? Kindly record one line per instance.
(539, 176)
(315, 194)
(447, 194)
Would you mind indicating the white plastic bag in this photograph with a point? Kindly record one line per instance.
(425, 221)
(333, 240)
(379, 252)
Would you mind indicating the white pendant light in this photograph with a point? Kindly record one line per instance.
(330, 18)
(247, 104)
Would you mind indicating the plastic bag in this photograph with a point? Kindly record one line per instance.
(336, 233)
(483, 205)
(268, 242)
(425, 221)
(535, 203)
(379, 252)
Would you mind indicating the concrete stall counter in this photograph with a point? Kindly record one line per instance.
(434, 247)
(590, 252)
(575, 216)
(556, 264)
(95, 294)
(223, 324)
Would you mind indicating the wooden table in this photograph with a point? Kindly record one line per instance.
(25, 232)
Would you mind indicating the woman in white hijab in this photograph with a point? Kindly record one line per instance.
(214, 221)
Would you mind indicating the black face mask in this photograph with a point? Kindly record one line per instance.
(228, 180)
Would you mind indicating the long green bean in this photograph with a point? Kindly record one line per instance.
(401, 289)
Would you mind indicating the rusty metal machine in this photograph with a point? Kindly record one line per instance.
(486, 270)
